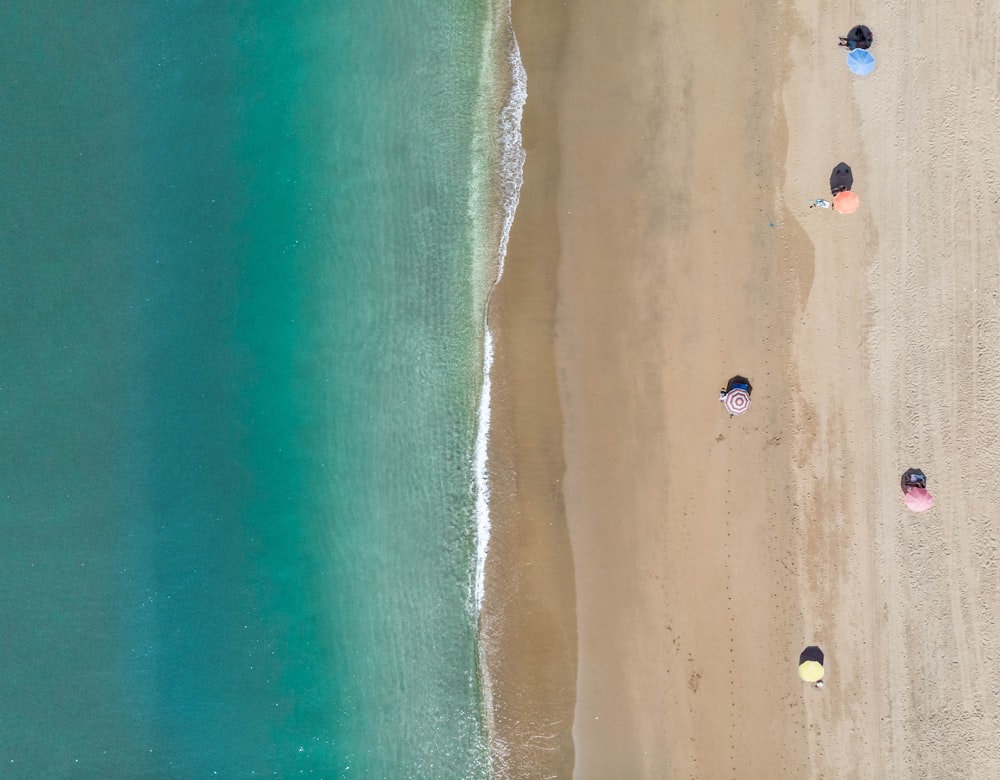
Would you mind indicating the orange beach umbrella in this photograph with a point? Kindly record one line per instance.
(846, 202)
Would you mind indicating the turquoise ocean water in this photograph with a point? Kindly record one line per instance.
(244, 254)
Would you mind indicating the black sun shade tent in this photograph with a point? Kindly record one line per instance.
(860, 37)
(841, 179)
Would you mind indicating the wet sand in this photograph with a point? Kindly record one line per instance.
(661, 565)
(528, 621)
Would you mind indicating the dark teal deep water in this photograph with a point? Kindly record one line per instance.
(240, 358)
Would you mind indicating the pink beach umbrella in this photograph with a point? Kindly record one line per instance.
(918, 499)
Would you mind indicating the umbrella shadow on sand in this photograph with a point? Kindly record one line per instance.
(859, 37)
(739, 381)
(912, 478)
(841, 179)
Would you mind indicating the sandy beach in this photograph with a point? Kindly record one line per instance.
(657, 566)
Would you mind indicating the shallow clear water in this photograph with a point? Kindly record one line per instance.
(239, 372)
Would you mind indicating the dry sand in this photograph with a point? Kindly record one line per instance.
(664, 243)
(897, 352)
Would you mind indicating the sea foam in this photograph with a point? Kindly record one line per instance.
(511, 177)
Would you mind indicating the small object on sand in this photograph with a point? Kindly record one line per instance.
(859, 37)
(860, 62)
(811, 664)
(736, 395)
(820, 203)
(917, 499)
(736, 401)
(819, 683)
(913, 483)
(846, 202)
(842, 178)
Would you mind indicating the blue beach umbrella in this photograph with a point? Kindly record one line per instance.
(860, 62)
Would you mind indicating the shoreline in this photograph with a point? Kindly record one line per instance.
(527, 621)
(511, 181)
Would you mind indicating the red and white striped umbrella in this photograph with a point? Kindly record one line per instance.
(736, 401)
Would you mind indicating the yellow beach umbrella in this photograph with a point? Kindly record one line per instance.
(811, 664)
(811, 671)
